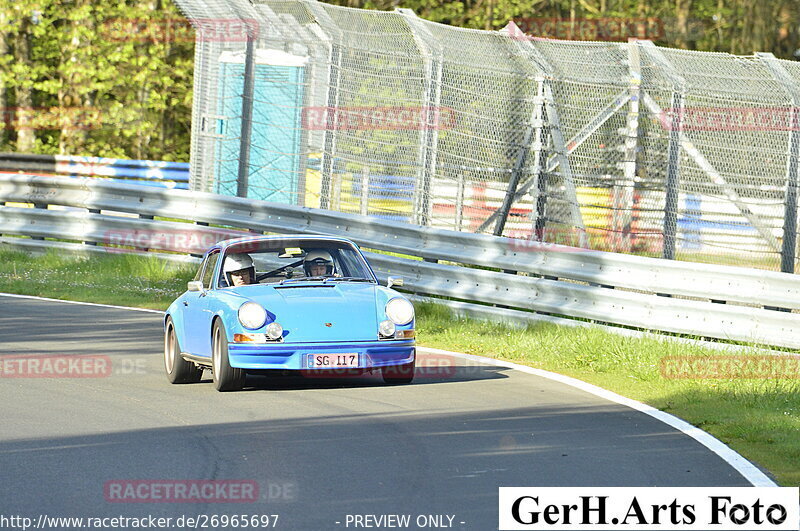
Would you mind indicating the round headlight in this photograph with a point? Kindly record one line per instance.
(399, 311)
(386, 328)
(274, 331)
(252, 315)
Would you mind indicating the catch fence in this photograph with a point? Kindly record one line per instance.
(616, 146)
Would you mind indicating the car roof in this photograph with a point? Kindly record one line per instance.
(260, 238)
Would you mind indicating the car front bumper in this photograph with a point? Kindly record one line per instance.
(297, 356)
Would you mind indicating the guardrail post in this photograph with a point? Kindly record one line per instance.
(247, 115)
(42, 206)
(92, 211)
(789, 244)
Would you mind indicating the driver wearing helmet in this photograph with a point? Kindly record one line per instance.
(319, 264)
(239, 269)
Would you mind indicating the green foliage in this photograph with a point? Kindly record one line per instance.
(117, 76)
(735, 26)
(110, 78)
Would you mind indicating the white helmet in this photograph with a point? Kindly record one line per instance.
(318, 258)
(236, 262)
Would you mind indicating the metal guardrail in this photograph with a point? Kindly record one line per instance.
(622, 290)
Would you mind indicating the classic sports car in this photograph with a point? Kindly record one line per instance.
(297, 303)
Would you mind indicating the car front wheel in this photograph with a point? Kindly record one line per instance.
(178, 369)
(226, 378)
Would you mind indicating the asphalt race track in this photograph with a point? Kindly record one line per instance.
(317, 450)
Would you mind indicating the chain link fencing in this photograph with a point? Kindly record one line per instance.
(615, 146)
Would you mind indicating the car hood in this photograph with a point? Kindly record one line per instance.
(320, 312)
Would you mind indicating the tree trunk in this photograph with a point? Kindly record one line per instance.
(719, 25)
(682, 11)
(4, 118)
(26, 139)
(786, 40)
(74, 114)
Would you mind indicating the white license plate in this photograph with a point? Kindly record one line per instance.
(333, 361)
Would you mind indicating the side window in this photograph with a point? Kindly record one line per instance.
(199, 274)
(342, 267)
(208, 274)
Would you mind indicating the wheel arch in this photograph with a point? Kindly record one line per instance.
(217, 318)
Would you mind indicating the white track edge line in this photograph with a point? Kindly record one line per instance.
(14, 295)
(747, 469)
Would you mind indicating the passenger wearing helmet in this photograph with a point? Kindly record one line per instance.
(239, 269)
(319, 264)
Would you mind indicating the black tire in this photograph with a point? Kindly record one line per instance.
(398, 374)
(178, 369)
(226, 378)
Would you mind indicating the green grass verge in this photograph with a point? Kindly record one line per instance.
(756, 417)
(121, 279)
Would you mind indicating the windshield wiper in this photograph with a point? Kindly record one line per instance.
(300, 279)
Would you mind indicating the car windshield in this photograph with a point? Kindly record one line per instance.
(285, 261)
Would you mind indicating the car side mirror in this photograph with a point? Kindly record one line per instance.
(394, 281)
(195, 285)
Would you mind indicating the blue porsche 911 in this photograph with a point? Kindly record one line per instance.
(293, 303)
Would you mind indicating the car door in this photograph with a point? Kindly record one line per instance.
(196, 313)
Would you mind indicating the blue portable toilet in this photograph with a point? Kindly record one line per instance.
(277, 135)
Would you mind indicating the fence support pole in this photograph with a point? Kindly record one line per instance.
(623, 200)
(673, 177)
(556, 135)
(327, 31)
(460, 186)
(702, 162)
(331, 127)
(572, 144)
(364, 191)
(789, 246)
(432, 57)
(789, 243)
(531, 141)
(247, 116)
